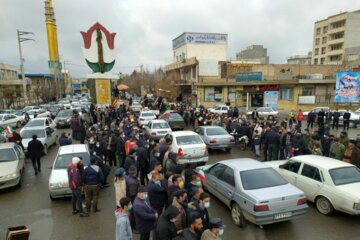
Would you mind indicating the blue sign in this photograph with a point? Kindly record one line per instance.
(248, 76)
(347, 87)
(271, 99)
(200, 38)
(76, 86)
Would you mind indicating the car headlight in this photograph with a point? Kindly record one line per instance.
(357, 206)
(10, 176)
(58, 185)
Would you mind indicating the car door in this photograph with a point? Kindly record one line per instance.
(49, 140)
(21, 157)
(226, 185)
(309, 181)
(290, 170)
(212, 179)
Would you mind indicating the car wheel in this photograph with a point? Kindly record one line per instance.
(324, 206)
(18, 124)
(227, 149)
(45, 150)
(237, 215)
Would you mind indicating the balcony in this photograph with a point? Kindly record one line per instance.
(335, 52)
(335, 41)
(335, 30)
(178, 65)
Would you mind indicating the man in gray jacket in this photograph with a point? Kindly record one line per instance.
(123, 229)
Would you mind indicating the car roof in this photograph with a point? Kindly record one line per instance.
(39, 118)
(147, 111)
(321, 161)
(158, 121)
(206, 127)
(7, 145)
(243, 164)
(182, 133)
(35, 128)
(73, 148)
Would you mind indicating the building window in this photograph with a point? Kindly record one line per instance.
(338, 24)
(336, 46)
(316, 61)
(231, 94)
(318, 31)
(337, 35)
(308, 91)
(325, 29)
(213, 94)
(322, 60)
(323, 50)
(286, 93)
(323, 40)
(317, 41)
(316, 51)
(336, 58)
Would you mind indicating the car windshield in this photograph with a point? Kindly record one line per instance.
(175, 116)
(64, 160)
(216, 131)
(147, 114)
(261, 178)
(188, 140)
(160, 125)
(65, 114)
(345, 175)
(35, 123)
(28, 133)
(7, 155)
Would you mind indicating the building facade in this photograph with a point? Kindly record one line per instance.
(299, 59)
(11, 87)
(336, 38)
(253, 53)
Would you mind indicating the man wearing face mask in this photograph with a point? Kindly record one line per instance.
(123, 228)
(157, 192)
(298, 144)
(177, 184)
(165, 227)
(215, 231)
(201, 208)
(193, 185)
(145, 216)
(121, 149)
(180, 202)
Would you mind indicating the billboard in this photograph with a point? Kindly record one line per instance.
(200, 38)
(76, 86)
(347, 87)
(103, 93)
(271, 99)
(248, 76)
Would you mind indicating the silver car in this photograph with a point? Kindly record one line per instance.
(216, 137)
(254, 192)
(12, 163)
(46, 135)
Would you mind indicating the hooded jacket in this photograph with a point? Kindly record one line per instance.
(123, 229)
(93, 175)
(74, 177)
(144, 216)
(165, 229)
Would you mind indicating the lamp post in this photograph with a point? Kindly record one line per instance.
(20, 40)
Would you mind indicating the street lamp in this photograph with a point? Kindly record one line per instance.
(20, 40)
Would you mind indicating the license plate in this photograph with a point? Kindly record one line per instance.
(283, 215)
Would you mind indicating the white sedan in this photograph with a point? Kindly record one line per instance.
(222, 109)
(145, 117)
(46, 135)
(157, 129)
(264, 112)
(329, 183)
(12, 162)
(40, 122)
(11, 120)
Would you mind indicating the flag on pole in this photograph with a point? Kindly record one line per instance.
(201, 175)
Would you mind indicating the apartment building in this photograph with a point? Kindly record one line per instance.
(253, 53)
(334, 36)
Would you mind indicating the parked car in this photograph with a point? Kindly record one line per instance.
(316, 110)
(354, 118)
(28, 108)
(264, 112)
(63, 118)
(216, 137)
(175, 120)
(54, 109)
(222, 109)
(254, 192)
(157, 129)
(145, 117)
(40, 122)
(58, 180)
(38, 112)
(46, 135)
(12, 164)
(66, 103)
(11, 120)
(329, 183)
(135, 107)
(189, 146)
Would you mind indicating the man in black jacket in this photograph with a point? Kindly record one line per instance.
(336, 116)
(93, 179)
(35, 150)
(157, 192)
(346, 117)
(143, 160)
(193, 232)
(121, 149)
(165, 227)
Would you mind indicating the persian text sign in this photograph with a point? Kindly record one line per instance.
(103, 94)
(271, 99)
(347, 87)
(248, 76)
(200, 38)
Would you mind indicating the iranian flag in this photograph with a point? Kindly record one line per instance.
(201, 175)
(8, 132)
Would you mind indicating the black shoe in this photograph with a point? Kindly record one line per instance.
(97, 210)
(83, 214)
(75, 212)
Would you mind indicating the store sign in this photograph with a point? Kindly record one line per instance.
(200, 38)
(76, 86)
(306, 100)
(271, 99)
(264, 88)
(347, 87)
(249, 88)
(248, 76)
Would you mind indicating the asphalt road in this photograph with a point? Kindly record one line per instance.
(31, 206)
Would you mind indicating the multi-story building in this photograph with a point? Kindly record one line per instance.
(334, 37)
(299, 59)
(11, 87)
(253, 54)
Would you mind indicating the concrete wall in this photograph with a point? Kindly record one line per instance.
(352, 32)
(206, 51)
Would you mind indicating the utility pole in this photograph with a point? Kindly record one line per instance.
(20, 40)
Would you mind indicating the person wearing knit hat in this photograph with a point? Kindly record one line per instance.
(75, 184)
(120, 185)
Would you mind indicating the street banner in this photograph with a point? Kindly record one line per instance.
(271, 99)
(347, 87)
(103, 93)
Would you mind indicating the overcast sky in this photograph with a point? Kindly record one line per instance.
(145, 28)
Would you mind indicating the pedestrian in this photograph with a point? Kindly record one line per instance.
(165, 227)
(336, 115)
(215, 231)
(300, 117)
(180, 202)
(320, 117)
(311, 119)
(337, 149)
(64, 140)
(298, 144)
(131, 160)
(201, 207)
(123, 228)
(352, 154)
(93, 178)
(17, 139)
(157, 192)
(121, 149)
(75, 184)
(346, 118)
(120, 185)
(35, 150)
(177, 184)
(194, 231)
(111, 144)
(257, 142)
(272, 140)
(132, 185)
(145, 216)
(193, 185)
(143, 161)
